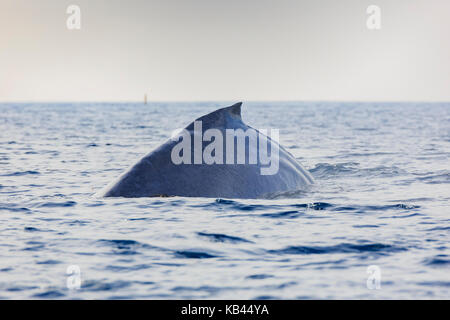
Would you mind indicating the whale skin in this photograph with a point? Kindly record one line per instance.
(156, 175)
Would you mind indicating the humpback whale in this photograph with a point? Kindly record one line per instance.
(216, 156)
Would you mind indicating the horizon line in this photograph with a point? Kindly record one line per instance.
(218, 100)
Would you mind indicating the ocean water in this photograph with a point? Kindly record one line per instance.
(381, 198)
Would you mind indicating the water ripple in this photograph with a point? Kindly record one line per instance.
(340, 248)
(218, 237)
(21, 173)
(194, 254)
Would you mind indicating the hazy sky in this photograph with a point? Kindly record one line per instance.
(224, 50)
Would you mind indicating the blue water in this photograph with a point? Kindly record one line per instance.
(381, 198)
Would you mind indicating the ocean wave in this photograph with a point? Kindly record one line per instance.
(194, 254)
(340, 248)
(219, 237)
(57, 204)
(327, 171)
(21, 173)
(125, 247)
(100, 285)
(440, 260)
(50, 294)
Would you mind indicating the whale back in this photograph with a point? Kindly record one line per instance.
(157, 175)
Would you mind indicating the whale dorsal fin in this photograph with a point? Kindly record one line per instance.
(220, 116)
(235, 109)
